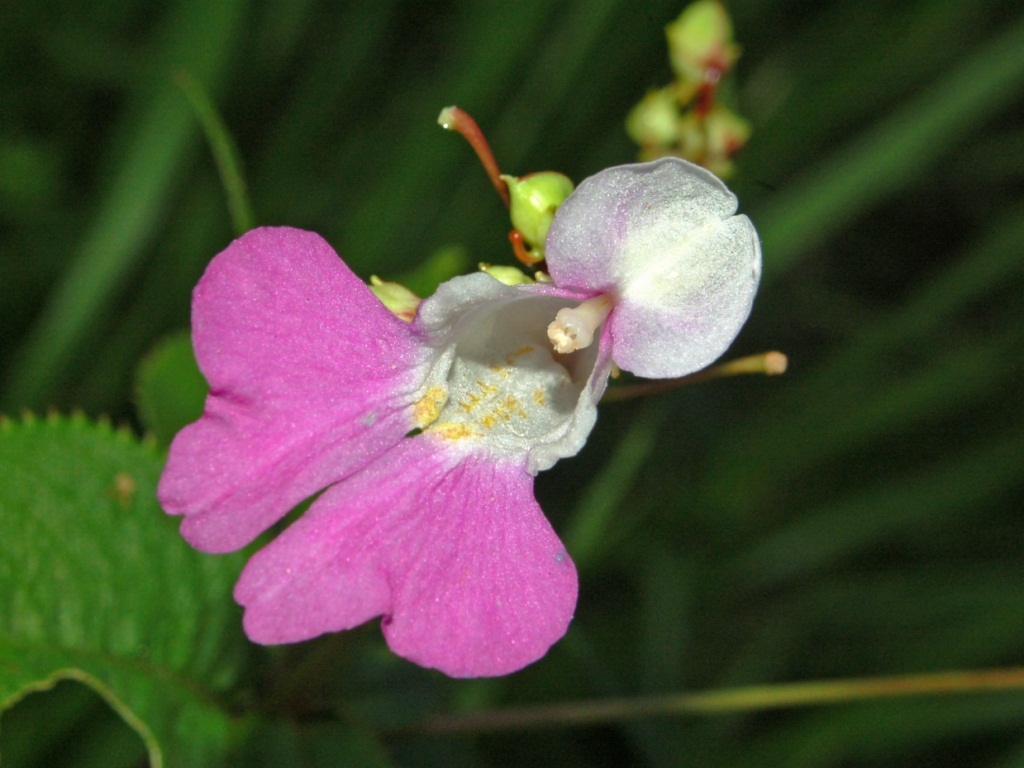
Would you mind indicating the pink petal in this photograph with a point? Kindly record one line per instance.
(450, 546)
(311, 378)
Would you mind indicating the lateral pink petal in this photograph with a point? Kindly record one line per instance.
(311, 378)
(451, 547)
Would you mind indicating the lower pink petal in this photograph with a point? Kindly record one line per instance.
(452, 548)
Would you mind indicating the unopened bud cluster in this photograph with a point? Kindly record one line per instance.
(686, 117)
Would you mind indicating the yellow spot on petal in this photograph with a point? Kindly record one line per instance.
(487, 389)
(429, 407)
(515, 406)
(511, 359)
(453, 431)
(538, 397)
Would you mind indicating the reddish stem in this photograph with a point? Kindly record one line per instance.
(708, 90)
(519, 249)
(455, 119)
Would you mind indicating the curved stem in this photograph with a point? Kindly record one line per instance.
(225, 153)
(455, 119)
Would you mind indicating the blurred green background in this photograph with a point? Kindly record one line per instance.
(860, 515)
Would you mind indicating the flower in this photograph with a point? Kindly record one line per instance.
(427, 435)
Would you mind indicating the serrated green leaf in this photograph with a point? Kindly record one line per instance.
(169, 389)
(99, 588)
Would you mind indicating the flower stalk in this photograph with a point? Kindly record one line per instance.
(745, 699)
(772, 363)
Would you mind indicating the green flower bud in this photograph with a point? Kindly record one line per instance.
(654, 122)
(700, 40)
(399, 299)
(506, 275)
(533, 202)
(712, 139)
(727, 131)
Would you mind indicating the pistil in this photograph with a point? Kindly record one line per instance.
(573, 327)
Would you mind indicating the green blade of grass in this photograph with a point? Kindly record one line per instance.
(225, 154)
(159, 135)
(585, 536)
(872, 167)
(812, 423)
(883, 513)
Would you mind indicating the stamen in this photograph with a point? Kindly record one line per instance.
(573, 327)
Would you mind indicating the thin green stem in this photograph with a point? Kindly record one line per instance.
(748, 699)
(225, 153)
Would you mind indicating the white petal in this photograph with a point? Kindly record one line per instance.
(662, 239)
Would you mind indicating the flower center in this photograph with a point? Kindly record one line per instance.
(506, 386)
(573, 327)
